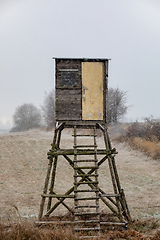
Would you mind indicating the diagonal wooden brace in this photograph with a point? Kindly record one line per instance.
(90, 184)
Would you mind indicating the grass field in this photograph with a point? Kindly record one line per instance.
(24, 163)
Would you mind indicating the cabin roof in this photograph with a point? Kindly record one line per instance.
(83, 59)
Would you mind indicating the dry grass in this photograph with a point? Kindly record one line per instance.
(145, 226)
(27, 230)
(18, 228)
(139, 136)
(151, 149)
(145, 137)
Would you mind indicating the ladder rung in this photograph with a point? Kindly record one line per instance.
(113, 223)
(87, 229)
(87, 190)
(89, 237)
(81, 152)
(86, 198)
(81, 221)
(55, 222)
(57, 196)
(87, 160)
(85, 135)
(88, 182)
(109, 195)
(77, 168)
(86, 175)
(87, 221)
(81, 146)
(87, 206)
(86, 213)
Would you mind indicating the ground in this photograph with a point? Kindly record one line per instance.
(23, 166)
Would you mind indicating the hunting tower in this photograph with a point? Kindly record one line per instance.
(81, 100)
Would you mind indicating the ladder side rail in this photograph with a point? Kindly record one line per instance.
(96, 179)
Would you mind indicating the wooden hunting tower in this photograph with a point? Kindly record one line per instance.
(81, 99)
(81, 90)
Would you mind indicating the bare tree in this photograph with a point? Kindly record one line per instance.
(48, 109)
(116, 105)
(26, 116)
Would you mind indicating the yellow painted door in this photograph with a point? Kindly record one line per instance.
(92, 91)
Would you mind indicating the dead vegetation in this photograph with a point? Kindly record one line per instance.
(141, 136)
(150, 148)
(27, 230)
(18, 228)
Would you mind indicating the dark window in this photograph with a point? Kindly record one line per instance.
(68, 79)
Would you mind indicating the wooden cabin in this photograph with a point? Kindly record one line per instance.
(81, 90)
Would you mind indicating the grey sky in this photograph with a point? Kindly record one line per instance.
(33, 31)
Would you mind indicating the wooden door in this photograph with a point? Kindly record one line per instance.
(92, 91)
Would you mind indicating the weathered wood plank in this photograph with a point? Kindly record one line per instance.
(80, 152)
(57, 196)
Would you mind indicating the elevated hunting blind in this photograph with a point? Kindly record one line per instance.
(81, 99)
(81, 90)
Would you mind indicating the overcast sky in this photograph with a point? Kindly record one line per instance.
(34, 31)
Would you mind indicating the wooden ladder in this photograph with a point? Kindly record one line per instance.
(86, 190)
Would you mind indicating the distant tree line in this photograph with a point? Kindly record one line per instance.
(27, 116)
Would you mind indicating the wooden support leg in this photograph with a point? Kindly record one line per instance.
(49, 170)
(115, 177)
(45, 188)
(55, 145)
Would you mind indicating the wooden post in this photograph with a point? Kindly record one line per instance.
(56, 145)
(45, 188)
(49, 170)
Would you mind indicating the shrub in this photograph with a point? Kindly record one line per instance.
(150, 129)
